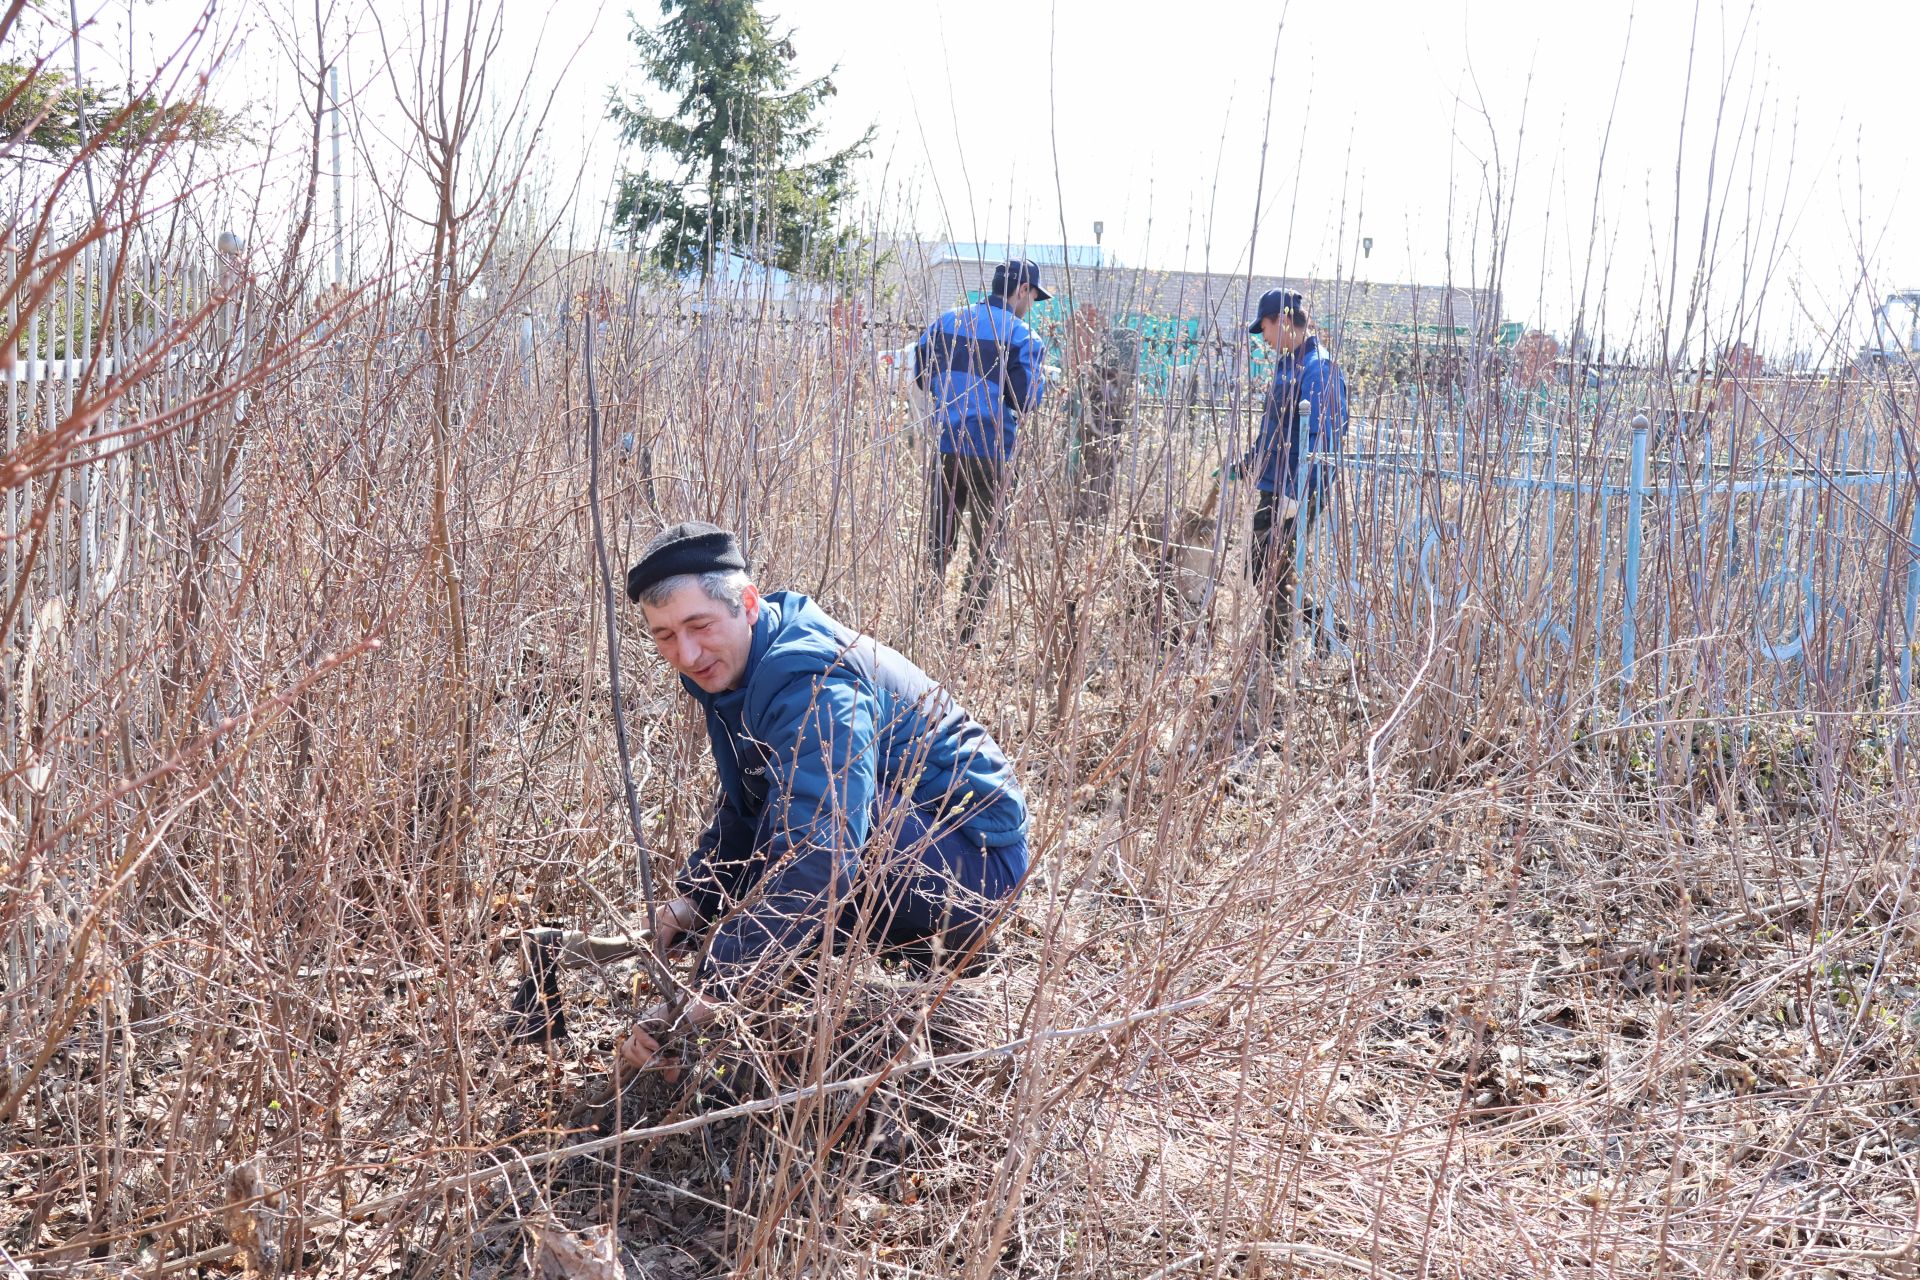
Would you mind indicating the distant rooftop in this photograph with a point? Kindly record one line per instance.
(1224, 302)
(933, 274)
(731, 273)
(1046, 255)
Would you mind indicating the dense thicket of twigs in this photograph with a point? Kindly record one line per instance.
(1388, 967)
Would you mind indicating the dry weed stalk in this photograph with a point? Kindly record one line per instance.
(1432, 975)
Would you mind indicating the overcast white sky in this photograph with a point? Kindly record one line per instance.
(1397, 120)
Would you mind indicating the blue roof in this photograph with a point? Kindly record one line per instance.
(728, 269)
(735, 273)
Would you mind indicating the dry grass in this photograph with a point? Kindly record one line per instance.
(1553, 1019)
(1387, 968)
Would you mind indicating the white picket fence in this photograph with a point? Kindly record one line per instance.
(112, 348)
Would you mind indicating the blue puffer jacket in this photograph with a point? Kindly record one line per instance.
(826, 727)
(983, 367)
(1308, 375)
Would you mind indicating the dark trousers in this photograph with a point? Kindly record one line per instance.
(918, 890)
(942, 886)
(975, 488)
(1270, 557)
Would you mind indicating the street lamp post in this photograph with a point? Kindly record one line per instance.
(1099, 257)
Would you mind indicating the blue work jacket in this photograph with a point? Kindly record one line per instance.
(1307, 376)
(983, 367)
(826, 728)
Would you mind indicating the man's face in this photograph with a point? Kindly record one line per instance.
(1281, 334)
(1021, 300)
(701, 638)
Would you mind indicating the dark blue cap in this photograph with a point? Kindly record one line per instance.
(1013, 273)
(1275, 301)
(692, 546)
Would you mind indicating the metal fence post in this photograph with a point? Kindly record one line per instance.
(1630, 570)
(1913, 613)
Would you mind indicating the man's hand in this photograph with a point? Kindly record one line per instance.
(642, 1047)
(670, 920)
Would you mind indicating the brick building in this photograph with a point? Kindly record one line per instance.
(1191, 321)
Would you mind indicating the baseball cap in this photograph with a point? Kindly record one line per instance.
(1015, 272)
(1273, 302)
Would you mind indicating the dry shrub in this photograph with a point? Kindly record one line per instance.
(1563, 1016)
(1388, 967)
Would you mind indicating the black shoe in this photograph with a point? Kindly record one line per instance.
(1325, 629)
(924, 959)
(538, 1016)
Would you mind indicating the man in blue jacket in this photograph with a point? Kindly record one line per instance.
(1305, 414)
(854, 791)
(983, 368)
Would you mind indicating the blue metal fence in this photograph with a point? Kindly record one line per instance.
(1635, 571)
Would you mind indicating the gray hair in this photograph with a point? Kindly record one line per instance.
(723, 586)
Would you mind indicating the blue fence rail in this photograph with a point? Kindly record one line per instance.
(1638, 573)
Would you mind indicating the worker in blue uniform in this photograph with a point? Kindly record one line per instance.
(1305, 416)
(984, 369)
(857, 797)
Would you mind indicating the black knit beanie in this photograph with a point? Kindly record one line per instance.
(693, 546)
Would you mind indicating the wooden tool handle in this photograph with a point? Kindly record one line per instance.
(1213, 496)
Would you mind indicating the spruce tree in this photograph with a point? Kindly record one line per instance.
(47, 109)
(729, 167)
